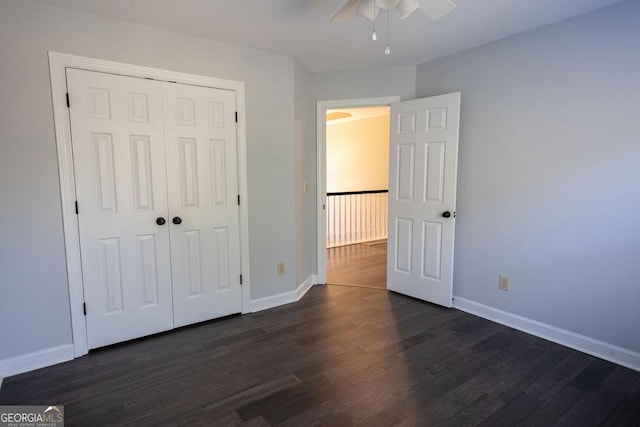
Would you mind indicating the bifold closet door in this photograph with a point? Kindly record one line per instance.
(119, 161)
(202, 177)
(157, 187)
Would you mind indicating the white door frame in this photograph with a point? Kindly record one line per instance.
(58, 62)
(321, 167)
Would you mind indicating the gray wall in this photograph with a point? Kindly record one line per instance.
(305, 171)
(368, 83)
(549, 173)
(34, 307)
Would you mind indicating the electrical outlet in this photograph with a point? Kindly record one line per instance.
(504, 283)
(280, 268)
(306, 186)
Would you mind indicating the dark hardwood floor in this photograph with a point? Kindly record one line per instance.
(340, 356)
(363, 264)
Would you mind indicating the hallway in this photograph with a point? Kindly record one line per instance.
(363, 264)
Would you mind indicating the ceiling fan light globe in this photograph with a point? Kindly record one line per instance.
(368, 9)
(346, 12)
(436, 9)
(406, 8)
(387, 4)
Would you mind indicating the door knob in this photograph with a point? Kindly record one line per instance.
(177, 220)
(446, 214)
(160, 221)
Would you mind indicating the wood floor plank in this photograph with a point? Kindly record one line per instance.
(593, 375)
(595, 408)
(256, 407)
(358, 265)
(627, 412)
(476, 412)
(513, 412)
(554, 407)
(556, 378)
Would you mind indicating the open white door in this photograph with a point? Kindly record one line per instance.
(423, 162)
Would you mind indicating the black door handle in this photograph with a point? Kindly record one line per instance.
(160, 221)
(446, 214)
(177, 220)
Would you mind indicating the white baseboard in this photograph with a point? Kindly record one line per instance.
(36, 360)
(603, 350)
(304, 287)
(283, 298)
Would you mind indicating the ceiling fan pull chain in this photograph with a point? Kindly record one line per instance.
(374, 36)
(387, 51)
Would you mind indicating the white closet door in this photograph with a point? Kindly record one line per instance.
(119, 161)
(203, 201)
(423, 164)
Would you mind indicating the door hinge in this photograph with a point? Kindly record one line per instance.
(68, 102)
(236, 117)
(84, 308)
(238, 200)
(77, 211)
(241, 279)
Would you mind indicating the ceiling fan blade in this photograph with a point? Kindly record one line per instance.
(346, 12)
(368, 10)
(407, 7)
(436, 9)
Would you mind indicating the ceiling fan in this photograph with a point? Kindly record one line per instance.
(434, 9)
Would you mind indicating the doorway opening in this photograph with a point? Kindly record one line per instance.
(423, 159)
(353, 177)
(357, 144)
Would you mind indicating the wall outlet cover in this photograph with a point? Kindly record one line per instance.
(504, 283)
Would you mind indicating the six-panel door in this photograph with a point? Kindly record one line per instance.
(423, 159)
(203, 191)
(119, 161)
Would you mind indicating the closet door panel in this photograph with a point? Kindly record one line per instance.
(119, 160)
(202, 176)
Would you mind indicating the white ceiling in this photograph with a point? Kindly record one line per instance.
(302, 28)
(358, 113)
